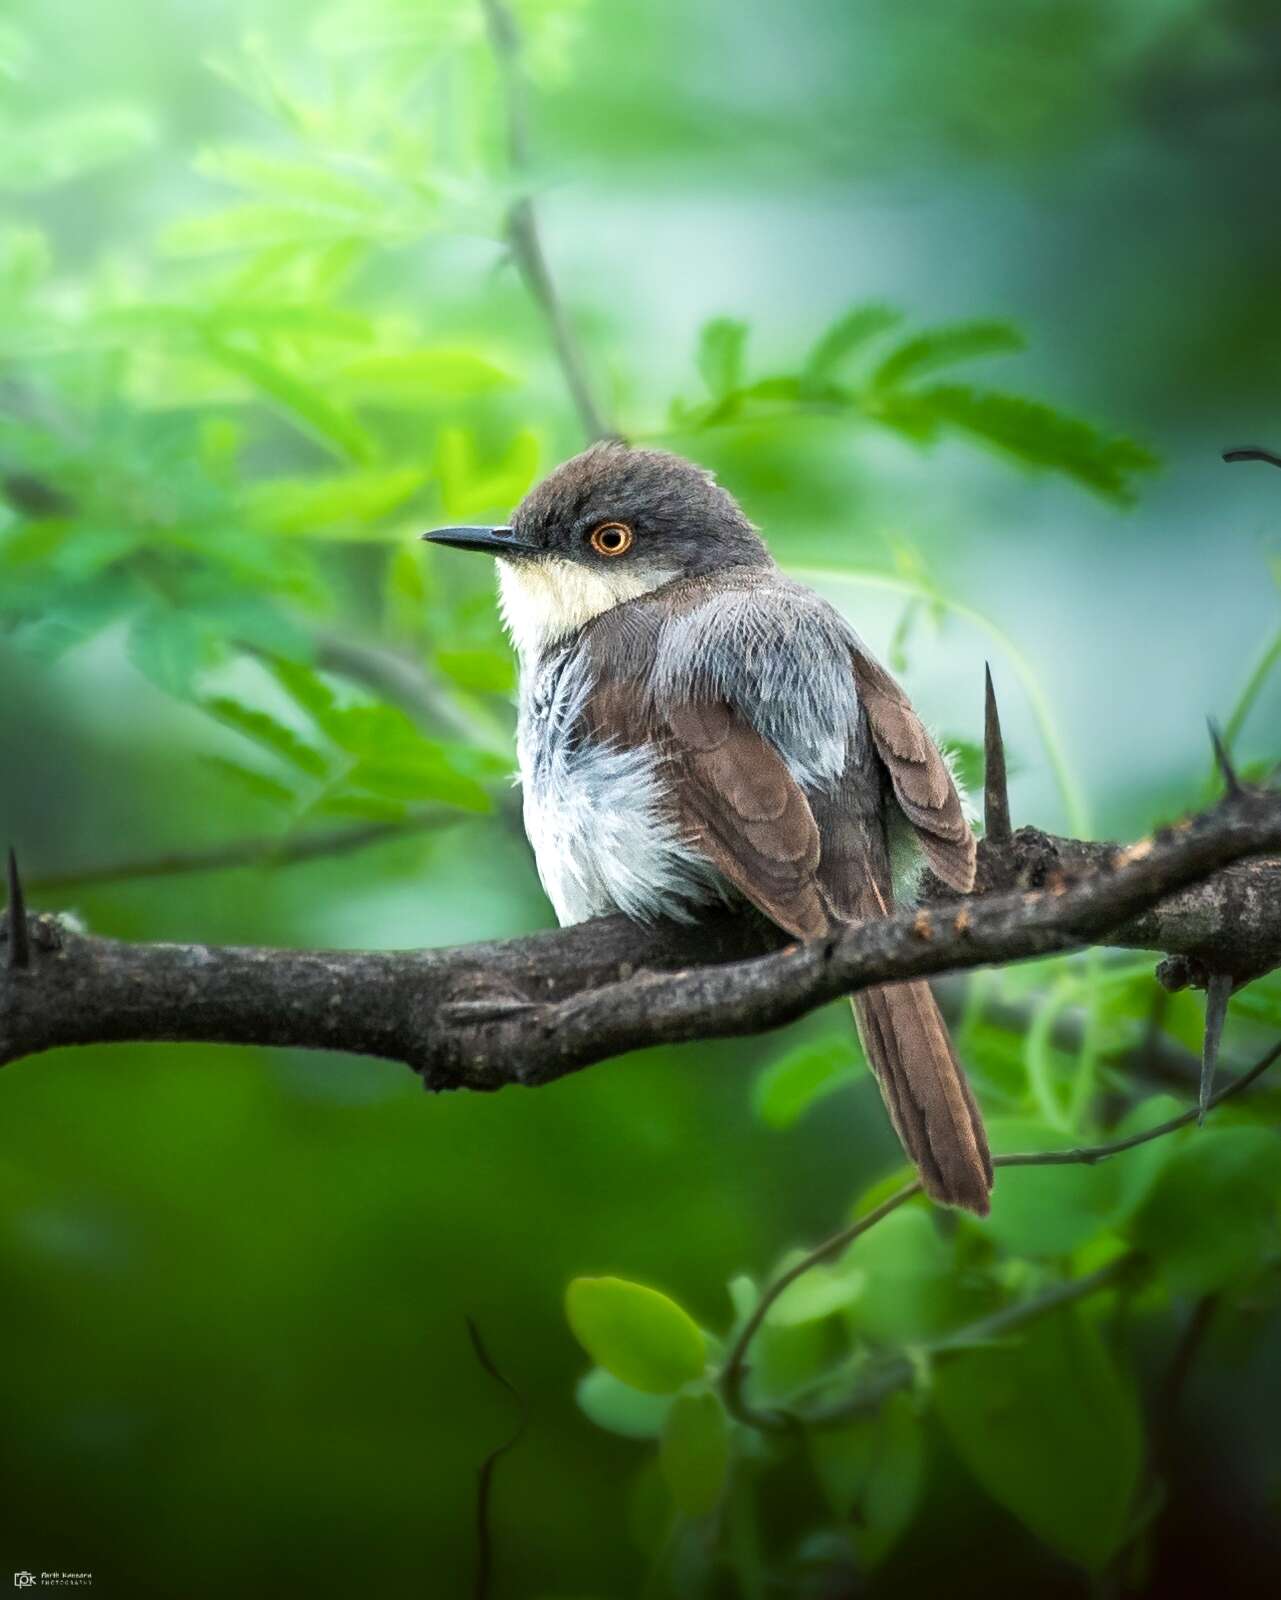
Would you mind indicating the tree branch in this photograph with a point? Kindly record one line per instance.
(529, 1010)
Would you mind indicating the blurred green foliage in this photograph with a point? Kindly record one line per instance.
(258, 328)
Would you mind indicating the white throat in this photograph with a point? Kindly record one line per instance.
(548, 599)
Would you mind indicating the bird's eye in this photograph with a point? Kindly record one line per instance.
(611, 539)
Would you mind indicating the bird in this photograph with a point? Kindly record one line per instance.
(696, 729)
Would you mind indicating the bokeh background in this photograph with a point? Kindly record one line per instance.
(258, 327)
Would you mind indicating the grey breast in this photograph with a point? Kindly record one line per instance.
(602, 837)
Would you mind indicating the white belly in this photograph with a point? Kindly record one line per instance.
(594, 815)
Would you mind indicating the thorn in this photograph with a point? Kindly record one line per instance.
(1253, 453)
(19, 951)
(996, 794)
(1217, 994)
(1223, 760)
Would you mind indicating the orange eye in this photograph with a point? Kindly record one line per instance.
(611, 539)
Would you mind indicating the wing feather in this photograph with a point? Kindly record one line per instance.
(922, 784)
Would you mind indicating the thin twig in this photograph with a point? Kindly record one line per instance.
(485, 1473)
(522, 224)
(735, 1371)
(1089, 1155)
(897, 1372)
(262, 851)
(734, 1374)
(1252, 453)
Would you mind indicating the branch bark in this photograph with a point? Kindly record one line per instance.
(527, 1011)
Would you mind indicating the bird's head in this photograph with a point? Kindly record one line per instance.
(607, 526)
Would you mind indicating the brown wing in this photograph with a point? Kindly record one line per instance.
(741, 806)
(922, 783)
(733, 799)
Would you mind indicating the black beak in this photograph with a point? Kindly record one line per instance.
(497, 541)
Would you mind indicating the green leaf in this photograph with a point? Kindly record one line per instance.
(479, 671)
(944, 347)
(16, 51)
(171, 648)
(26, 258)
(272, 735)
(720, 355)
(872, 1471)
(651, 1516)
(41, 151)
(1138, 1170)
(320, 416)
(75, 614)
(778, 388)
(1212, 1214)
(818, 1293)
(1046, 1211)
(305, 687)
(174, 319)
(426, 774)
(638, 1334)
(846, 335)
(468, 490)
(1041, 437)
(264, 224)
(694, 1453)
(618, 1408)
(1051, 1432)
(258, 784)
(343, 505)
(788, 1357)
(306, 181)
(419, 377)
(788, 1087)
(910, 1291)
(370, 807)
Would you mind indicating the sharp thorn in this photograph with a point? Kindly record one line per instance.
(1253, 453)
(996, 794)
(1217, 994)
(1223, 760)
(18, 951)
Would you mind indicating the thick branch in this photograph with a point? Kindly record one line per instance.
(530, 1010)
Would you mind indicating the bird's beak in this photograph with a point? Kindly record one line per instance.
(497, 541)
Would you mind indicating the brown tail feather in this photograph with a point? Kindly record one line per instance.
(929, 1101)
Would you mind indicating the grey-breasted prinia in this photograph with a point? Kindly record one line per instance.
(697, 728)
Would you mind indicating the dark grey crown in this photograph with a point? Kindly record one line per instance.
(680, 515)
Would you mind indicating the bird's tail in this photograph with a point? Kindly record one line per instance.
(929, 1102)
